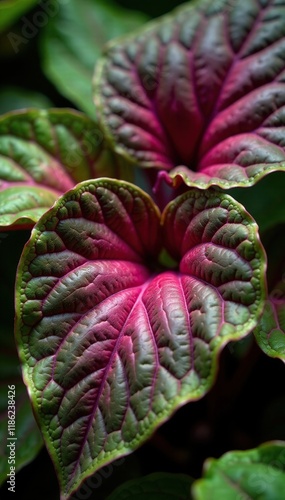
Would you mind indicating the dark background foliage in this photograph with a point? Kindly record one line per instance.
(243, 409)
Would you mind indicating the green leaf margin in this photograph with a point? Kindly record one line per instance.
(257, 474)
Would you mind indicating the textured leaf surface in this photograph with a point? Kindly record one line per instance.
(73, 41)
(158, 486)
(42, 155)
(244, 475)
(200, 93)
(270, 331)
(111, 342)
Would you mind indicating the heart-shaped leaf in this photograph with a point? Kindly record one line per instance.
(44, 153)
(270, 331)
(157, 486)
(200, 93)
(240, 475)
(73, 40)
(112, 342)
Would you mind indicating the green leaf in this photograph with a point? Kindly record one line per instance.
(257, 474)
(73, 40)
(270, 331)
(111, 341)
(157, 486)
(12, 98)
(11, 10)
(43, 153)
(264, 201)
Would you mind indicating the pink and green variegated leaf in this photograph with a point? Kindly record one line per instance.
(44, 153)
(111, 341)
(200, 93)
(270, 331)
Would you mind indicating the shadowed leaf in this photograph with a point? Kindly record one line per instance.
(270, 331)
(12, 98)
(11, 10)
(157, 486)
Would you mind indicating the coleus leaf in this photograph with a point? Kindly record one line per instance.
(44, 153)
(72, 42)
(112, 342)
(157, 486)
(200, 93)
(270, 331)
(253, 474)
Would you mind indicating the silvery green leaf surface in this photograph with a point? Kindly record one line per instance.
(43, 153)
(111, 340)
(200, 93)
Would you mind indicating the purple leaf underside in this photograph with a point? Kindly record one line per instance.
(200, 93)
(44, 153)
(111, 341)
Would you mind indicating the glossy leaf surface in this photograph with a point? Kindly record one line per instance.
(73, 41)
(242, 475)
(200, 93)
(270, 332)
(42, 155)
(157, 486)
(112, 342)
